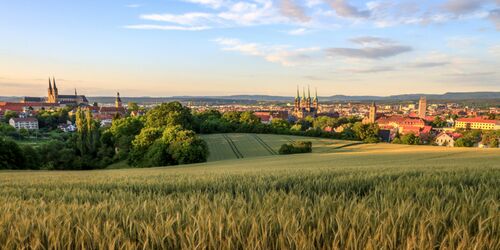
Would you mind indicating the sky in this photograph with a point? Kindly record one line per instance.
(228, 47)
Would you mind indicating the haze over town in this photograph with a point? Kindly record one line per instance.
(223, 47)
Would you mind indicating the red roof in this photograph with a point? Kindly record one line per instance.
(477, 120)
(452, 135)
(28, 119)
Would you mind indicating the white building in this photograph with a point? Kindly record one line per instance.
(447, 139)
(25, 123)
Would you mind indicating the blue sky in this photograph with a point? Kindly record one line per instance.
(221, 47)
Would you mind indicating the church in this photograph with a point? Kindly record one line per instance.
(305, 106)
(54, 97)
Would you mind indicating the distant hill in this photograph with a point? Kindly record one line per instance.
(451, 96)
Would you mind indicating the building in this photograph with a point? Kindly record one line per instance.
(447, 139)
(24, 123)
(422, 107)
(372, 114)
(477, 123)
(305, 106)
(54, 97)
(118, 109)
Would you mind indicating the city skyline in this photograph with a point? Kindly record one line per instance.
(225, 47)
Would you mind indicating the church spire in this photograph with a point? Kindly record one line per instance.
(118, 101)
(303, 93)
(54, 81)
(298, 95)
(50, 85)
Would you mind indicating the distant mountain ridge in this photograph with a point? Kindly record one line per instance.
(259, 98)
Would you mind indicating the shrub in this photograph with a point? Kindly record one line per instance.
(298, 147)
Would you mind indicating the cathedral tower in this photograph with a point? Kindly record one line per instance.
(315, 100)
(422, 107)
(373, 113)
(118, 101)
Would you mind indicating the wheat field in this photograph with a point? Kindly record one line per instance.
(367, 197)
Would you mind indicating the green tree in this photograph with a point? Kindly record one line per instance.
(410, 139)
(11, 155)
(169, 114)
(367, 132)
(249, 118)
(280, 124)
(8, 115)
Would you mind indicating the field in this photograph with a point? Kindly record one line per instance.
(356, 197)
(238, 146)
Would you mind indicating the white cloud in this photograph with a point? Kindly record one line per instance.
(165, 27)
(298, 32)
(211, 3)
(291, 10)
(133, 5)
(283, 54)
(371, 48)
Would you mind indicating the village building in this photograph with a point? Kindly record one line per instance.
(53, 97)
(305, 106)
(24, 123)
(447, 139)
(477, 123)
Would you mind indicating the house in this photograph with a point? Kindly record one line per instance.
(24, 123)
(477, 123)
(447, 139)
(265, 117)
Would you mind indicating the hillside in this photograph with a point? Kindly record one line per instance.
(238, 146)
(364, 196)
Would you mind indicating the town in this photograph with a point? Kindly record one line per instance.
(415, 122)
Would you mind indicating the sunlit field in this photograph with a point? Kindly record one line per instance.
(357, 197)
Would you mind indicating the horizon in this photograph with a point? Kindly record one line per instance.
(265, 95)
(227, 47)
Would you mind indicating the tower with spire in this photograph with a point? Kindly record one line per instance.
(305, 106)
(118, 101)
(53, 93)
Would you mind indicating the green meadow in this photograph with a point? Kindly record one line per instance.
(342, 196)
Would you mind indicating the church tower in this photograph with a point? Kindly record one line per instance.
(50, 92)
(308, 101)
(297, 100)
(303, 102)
(373, 113)
(315, 100)
(422, 107)
(118, 101)
(55, 93)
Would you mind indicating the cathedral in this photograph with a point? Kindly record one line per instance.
(54, 97)
(305, 106)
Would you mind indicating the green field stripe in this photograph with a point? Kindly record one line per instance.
(231, 146)
(262, 144)
(235, 149)
(265, 145)
(349, 145)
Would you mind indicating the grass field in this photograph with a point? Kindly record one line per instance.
(238, 146)
(358, 197)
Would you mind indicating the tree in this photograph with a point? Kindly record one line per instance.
(132, 106)
(185, 146)
(8, 115)
(438, 122)
(366, 132)
(169, 114)
(11, 155)
(31, 157)
(410, 139)
(249, 118)
(280, 124)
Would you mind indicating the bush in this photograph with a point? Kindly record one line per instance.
(298, 147)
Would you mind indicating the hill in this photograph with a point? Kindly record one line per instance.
(369, 196)
(252, 99)
(237, 146)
